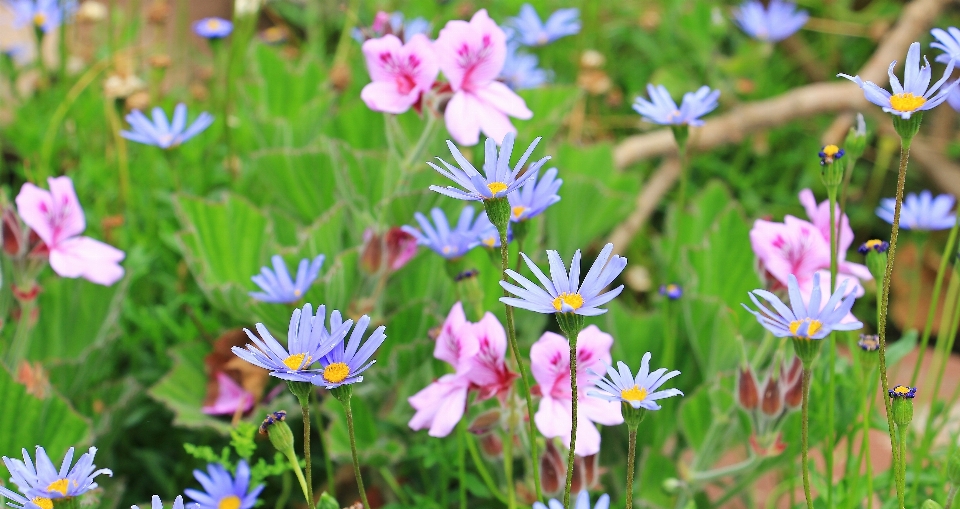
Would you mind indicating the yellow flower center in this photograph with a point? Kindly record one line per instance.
(297, 361)
(489, 241)
(634, 393)
(297, 293)
(214, 24)
(229, 502)
(900, 389)
(43, 503)
(518, 211)
(873, 244)
(906, 102)
(39, 19)
(496, 187)
(573, 300)
(60, 485)
(812, 328)
(831, 150)
(336, 372)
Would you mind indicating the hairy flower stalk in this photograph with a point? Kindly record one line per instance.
(832, 176)
(571, 324)
(344, 393)
(302, 391)
(498, 211)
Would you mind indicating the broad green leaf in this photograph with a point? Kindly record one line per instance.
(183, 389)
(26, 421)
(301, 183)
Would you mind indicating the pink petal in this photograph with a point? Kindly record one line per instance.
(553, 418)
(372, 51)
(487, 368)
(66, 202)
(588, 437)
(550, 361)
(419, 46)
(471, 54)
(230, 397)
(88, 258)
(593, 352)
(820, 216)
(33, 205)
(383, 96)
(462, 117)
(440, 405)
(494, 124)
(500, 97)
(855, 270)
(455, 343)
(792, 247)
(599, 410)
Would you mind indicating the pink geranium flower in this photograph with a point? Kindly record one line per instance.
(400, 72)
(819, 215)
(471, 56)
(230, 397)
(477, 352)
(550, 363)
(58, 219)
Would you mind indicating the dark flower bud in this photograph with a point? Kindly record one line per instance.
(793, 395)
(671, 291)
(830, 153)
(747, 393)
(552, 472)
(485, 422)
(902, 404)
(772, 402)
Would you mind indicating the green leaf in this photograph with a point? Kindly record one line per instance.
(26, 421)
(183, 389)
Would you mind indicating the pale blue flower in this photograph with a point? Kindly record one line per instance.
(774, 22)
(46, 15)
(344, 364)
(533, 32)
(46, 482)
(563, 293)
(914, 95)
(535, 196)
(520, 70)
(223, 491)
(213, 28)
(661, 109)
(805, 320)
(448, 243)
(923, 212)
(18, 501)
(160, 132)
(582, 502)
(276, 284)
(499, 180)
(307, 341)
(639, 392)
(949, 43)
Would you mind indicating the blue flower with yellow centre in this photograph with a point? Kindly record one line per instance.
(914, 95)
(869, 342)
(920, 212)
(902, 392)
(772, 22)
(830, 153)
(876, 245)
(213, 28)
(163, 133)
(223, 491)
(497, 181)
(661, 109)
(45, 15)
(277, 286)
(804, 320)
(638, 392)
(562, 292)
(42, 482)
(456, 242)
(532, 32)
(535, 196)
(348, 359)
(671, 291)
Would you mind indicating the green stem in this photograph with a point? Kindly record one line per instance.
(935, 298)
(804, 434)
(709, 475)
(508, 464)
(22, 334)
(482, 471)
(515, 348)
(572, 339)
(353, 451)
(682, 193)
(631, 453)
(295, 463)
(950, 496)
(901, 467)
(832, 358)
(462, 462)
(425, 136)
(305, 408)
(885, 295)
(394, 485)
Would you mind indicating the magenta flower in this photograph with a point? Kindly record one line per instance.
(58, 219)
(477, 353)
(550, 363)
(400, 72)
(819, 215)
(471, 56)
(230, 397)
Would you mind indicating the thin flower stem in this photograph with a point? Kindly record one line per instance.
(950, 496)
(631, 453)
(347, 408)
(462, 462)
(21, 336)
(508, 464)
(804, 434)
(482, 470)
(572, 339)
(935, 298)
(512, 337)
(295, 463)
(885, 297)
(682, 193)
(832, 358)
(305, 408)
(901, 466)
(709, 475)
(425, 136)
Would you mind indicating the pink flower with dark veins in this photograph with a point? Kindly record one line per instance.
(230, 397)
(793, 247)
(471, 56)
(819, 215)
(58, 219)
(550, 363)
(401, 73)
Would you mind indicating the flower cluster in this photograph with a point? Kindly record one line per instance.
(477, 353)
(41, 483)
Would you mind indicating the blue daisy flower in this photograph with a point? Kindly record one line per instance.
(43, 482)
(498, 181)
(347, 360)
(520, 71)
(276, 284)
(914, 95)
(773, 22)
(923, 212)
(46, 15)
(535, 196)
(563, 293)
(160, 132)
(307, 341)
(948, 42)
(661, 109)
(639, 392)
(213, 28)
(533, 32)
(804, 320)
(223, 491)
(582, 502)
(448, 243)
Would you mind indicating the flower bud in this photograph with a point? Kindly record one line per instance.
(902, 404)
(772, 402)
(953, 468)
(671, 291)
(876, 257)
(793, 394)
(672, 485)
(856, 140)
(492, 445)
(907, 128)
(552, 471)
(930, 504)
(279, 432)
(485, 423)
(747, 394)
(867, 356)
